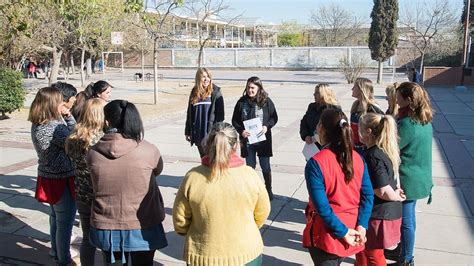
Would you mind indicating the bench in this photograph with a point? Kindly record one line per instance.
(149, 76)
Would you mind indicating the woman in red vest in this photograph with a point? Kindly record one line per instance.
(341, 195)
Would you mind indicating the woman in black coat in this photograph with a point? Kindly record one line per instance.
(324, 98)
(205, 108)
(255, 103)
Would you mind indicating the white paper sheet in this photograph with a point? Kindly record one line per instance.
(309, 150)
(254, 126)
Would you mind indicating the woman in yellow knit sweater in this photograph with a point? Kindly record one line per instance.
(221, 205)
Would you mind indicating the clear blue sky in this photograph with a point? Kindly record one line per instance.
(275, 11)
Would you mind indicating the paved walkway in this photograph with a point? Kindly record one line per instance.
(445, 228)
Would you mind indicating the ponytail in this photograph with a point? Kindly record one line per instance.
(220, 145)
(384, 130)
(124, 116)
(339, 137)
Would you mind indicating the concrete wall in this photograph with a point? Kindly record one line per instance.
(290, 58)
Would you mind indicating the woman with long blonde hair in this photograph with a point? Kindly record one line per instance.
(324, 98)
(86, 133)
(363, 91)
(416, 135)
(205, 108)
(379, 134)
(221, 197)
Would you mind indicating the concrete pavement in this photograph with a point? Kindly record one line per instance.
(444, 228)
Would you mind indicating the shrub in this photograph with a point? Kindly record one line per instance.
(12, 94)
(352, 67)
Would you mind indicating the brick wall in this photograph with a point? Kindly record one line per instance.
(446, 76)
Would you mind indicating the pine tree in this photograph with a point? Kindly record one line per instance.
(383, 35)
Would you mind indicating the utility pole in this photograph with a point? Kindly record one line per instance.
(466, 38)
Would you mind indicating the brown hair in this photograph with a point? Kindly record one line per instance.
(391, 92)
(367, 89)
(338, 134)
(419, 104)
(199, 92)
(262, 95)
(220, 145)
(44, 107)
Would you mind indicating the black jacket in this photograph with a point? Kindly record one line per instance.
(216, 112)
(270, 118)
(311, 118)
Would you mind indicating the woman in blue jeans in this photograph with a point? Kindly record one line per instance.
(255, 103)
(416, 133)
(51, 124)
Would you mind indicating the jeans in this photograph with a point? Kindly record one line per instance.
(61, 221)
(408, 230)
(87, 251)
(251, 159)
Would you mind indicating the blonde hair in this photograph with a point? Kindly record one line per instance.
(220, 145)
(44, 107)
(419, 104)
(367, 89)
(391, 92)
(90, 126)
(384, 130)
(200, 92)
(326, 94)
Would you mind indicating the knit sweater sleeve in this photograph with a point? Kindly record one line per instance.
(317, 192)
(262, 208)
(182, 210)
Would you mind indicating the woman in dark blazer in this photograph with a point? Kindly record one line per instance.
(255, 103)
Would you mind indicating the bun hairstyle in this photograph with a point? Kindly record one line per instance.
(220, 145)
(384, 129)
(419, 104)
(338, 134)
(124, 116)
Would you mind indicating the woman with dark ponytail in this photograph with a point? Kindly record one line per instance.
(127, 208)
(341, 195)
(100, 89)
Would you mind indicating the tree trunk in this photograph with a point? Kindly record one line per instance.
(422, 64)
(155, 72)
(200, 56)
(72, 63)
(379, 75)
(83, 55)
(143, 65)
(55, 67)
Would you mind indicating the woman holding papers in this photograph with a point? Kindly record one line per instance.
(324, 98)
(256, 136)
(205, 108)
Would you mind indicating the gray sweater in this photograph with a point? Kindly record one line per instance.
(48, 140)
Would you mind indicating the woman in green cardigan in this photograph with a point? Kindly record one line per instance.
(416, 133)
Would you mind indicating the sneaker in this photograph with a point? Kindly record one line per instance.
(75, 238)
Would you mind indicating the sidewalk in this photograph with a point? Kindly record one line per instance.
(444, 228)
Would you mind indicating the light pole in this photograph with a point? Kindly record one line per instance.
(464, 50)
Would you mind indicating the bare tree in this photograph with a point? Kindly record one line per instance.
(335, 24)
(425, 24)
(203, 10)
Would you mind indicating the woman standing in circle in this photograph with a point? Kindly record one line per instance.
(255, 103)
(391, 92)
(220, 206)
(100, 89)
(379, 134)
(86, 133)
(127, 209)
(324, 98)
(341, 196)
(51, 124)
(416, 135)
(205, 108)
(363, 91)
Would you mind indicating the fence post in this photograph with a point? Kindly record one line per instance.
(172, 57)
(236, 57)
(271, 57)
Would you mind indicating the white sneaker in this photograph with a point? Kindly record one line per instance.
(75, 238)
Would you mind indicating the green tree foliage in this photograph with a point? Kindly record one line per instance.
(383, 35)
(12, 95)
(471, 18)
(289, 39)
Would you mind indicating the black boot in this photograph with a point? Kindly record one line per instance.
(268, 184)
